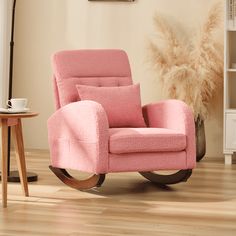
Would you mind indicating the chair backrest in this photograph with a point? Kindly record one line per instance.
(88, 67)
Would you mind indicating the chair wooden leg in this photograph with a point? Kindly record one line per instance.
(20, 155)
(66, 178)
(180, 176)
(4, 136)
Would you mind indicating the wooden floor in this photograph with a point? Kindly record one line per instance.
(126, 204)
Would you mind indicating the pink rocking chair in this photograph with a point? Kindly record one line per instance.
(80, 137)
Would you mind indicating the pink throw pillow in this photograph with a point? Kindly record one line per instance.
(122, 104)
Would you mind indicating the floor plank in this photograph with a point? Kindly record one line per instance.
(126, 204)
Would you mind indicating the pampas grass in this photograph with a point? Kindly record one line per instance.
(190, 71)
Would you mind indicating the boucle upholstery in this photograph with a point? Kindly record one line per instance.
(79, 133)
(147, 161)
(78, 137)
(129, 140)
(121, 103)
(176, 115)
(70, 68)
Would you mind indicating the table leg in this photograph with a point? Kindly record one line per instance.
(20, 155)
(4, 134)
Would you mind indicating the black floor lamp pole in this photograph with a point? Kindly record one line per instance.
(13, 176)
(10, 78)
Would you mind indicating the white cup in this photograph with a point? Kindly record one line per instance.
(17, 103)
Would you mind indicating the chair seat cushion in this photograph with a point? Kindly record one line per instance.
(130, 140)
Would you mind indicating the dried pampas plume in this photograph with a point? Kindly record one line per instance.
(190, 71)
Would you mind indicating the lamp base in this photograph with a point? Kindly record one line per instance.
(15, 178)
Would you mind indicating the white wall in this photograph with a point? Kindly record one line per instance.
(44, 27)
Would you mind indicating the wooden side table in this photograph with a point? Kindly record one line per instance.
(13, 120)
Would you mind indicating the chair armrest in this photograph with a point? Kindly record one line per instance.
(176, 115)
(170, 114)
(84, 127)
(83, 120)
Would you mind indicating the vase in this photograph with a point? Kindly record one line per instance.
(200, 139)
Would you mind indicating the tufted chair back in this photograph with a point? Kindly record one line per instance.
(104, 68)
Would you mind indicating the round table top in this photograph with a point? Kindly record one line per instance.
(18, 115)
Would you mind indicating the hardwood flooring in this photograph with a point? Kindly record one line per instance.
(126, 204)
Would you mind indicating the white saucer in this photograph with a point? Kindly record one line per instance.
(10, 110)
(3, 110)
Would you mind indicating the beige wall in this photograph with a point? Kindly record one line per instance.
(46, 26)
